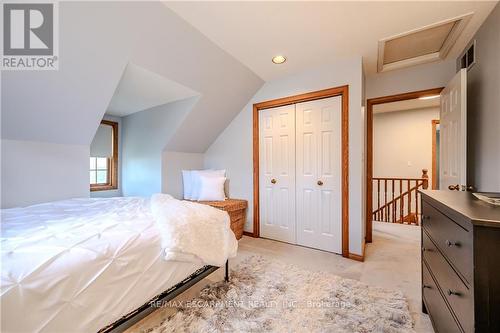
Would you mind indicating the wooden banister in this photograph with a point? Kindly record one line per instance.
(425, 178)
(414, 188)
(389, 211)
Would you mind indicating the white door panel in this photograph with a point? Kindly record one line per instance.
(318, 159)
(277, 173)
(453, 133)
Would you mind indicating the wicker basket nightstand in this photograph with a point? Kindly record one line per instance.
(236, 208)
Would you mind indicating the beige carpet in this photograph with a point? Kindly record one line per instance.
(271, 296)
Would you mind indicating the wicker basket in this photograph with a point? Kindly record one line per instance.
(236, 208)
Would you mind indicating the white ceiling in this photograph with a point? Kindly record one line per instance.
(140, 89)
(313, 33)
(410, 104)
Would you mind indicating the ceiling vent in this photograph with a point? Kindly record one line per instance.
(419, 46)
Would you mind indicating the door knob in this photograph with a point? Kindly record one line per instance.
(454, 187)
(273, 181)
(320, 183)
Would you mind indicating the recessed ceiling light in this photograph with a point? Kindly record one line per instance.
(279, 59)
(428, 97)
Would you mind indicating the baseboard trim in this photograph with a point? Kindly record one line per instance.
(356, 257)
(352, 256)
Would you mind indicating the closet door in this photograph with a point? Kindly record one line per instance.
(277, 173)
(318, 169)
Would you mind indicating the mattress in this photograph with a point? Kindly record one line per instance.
(78, 265)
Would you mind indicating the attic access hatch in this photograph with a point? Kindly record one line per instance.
(427, 44)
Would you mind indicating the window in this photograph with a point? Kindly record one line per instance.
(99, 171)
(103, 169)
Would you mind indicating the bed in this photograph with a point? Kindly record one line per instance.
(79, 265)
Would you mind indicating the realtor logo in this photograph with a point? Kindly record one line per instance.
(29, 36)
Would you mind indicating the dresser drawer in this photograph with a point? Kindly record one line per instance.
(441, 316)
(459, 297)
(453, 240)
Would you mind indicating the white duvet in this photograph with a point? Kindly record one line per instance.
(78, 265)
(193, 232)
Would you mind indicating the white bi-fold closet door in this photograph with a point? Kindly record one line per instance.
(300, 173)
(277, 173)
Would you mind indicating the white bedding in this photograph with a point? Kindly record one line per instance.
(192, 231)
(78, 265)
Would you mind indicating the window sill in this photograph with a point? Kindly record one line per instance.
(96, 188)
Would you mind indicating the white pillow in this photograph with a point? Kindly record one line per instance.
(195, 180)
(187, 182)
(212, 188)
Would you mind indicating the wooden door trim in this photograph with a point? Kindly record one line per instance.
(434, 122)
(342, 91)
(369, 145)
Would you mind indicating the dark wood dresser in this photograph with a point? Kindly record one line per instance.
(460, 262)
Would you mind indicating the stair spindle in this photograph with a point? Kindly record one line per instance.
(393, 205)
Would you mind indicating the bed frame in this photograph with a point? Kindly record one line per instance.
(144, 310)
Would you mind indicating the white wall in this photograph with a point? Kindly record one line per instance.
(35, 172)
(232, 150)
(172, 165)
(401, 138)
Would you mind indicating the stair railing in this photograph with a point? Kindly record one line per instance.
(396, 200)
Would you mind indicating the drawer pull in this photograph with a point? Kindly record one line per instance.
(426, 287)
(450, 243)
(426, 250)
(426, 217)
(451, 292)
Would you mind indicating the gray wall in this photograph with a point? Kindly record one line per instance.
(172, 165)
(425, 76)
(483, 108)
(233, 148)
(34, 172)
(92, 60)
(145, 135)
(66, 106)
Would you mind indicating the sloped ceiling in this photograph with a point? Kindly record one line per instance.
(312, 33)
(140, 89)
(66, 106)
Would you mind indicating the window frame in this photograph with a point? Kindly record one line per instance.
(107, 169)
(112, 162)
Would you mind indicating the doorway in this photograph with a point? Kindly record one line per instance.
(393, 182)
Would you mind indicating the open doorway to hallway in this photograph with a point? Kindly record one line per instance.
(403, 155)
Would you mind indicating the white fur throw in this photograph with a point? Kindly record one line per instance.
(192, 231)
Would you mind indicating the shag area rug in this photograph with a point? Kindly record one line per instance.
(270, 296)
